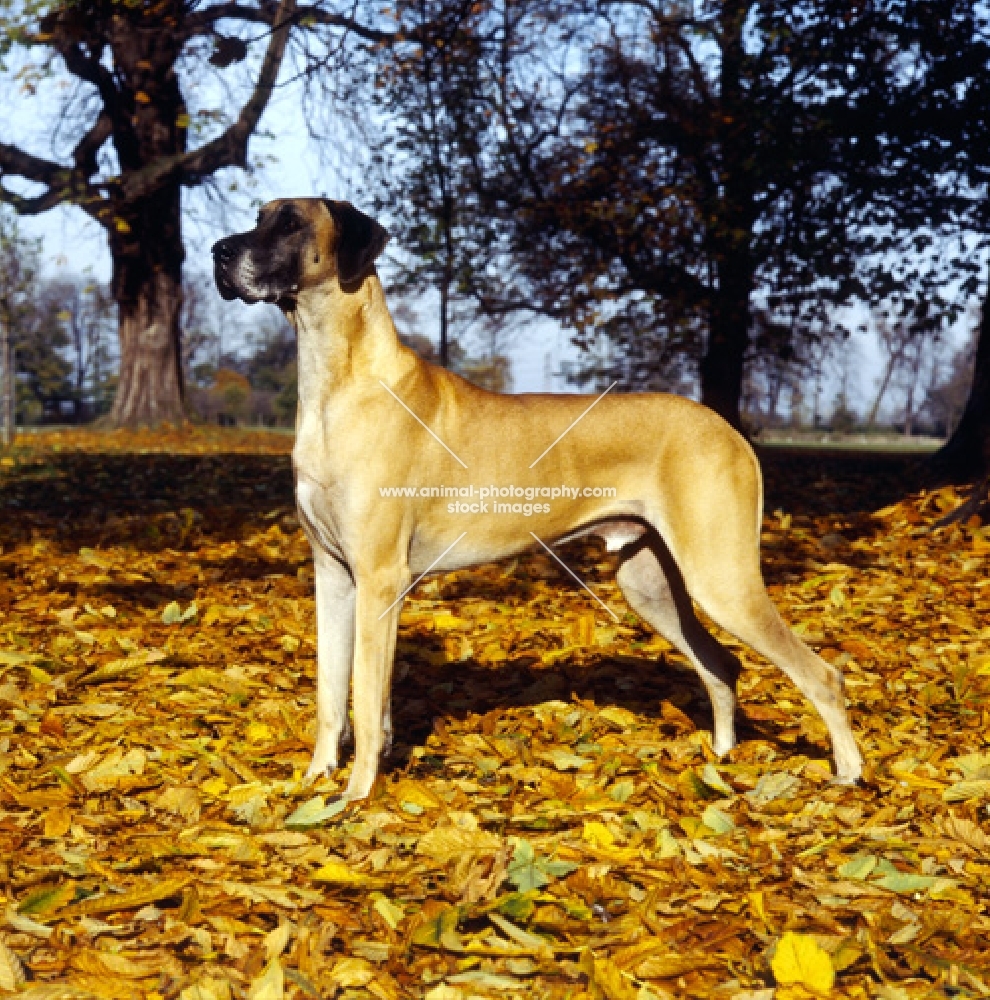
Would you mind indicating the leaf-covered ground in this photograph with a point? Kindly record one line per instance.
(553, 822)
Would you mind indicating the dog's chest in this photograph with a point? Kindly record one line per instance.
(317, 515)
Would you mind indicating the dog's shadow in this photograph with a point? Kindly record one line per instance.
(468, 697)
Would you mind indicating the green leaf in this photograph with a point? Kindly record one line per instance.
(717, 821)
(172, 614)
(858, 867)
(621, 791)
(694, 787)
(313, 813)
(564, 761)
(713, 779)
(523, 871)
(558, 869)
(903, 882)
(527, 872)
(47, 899)
(518, 905)
(776, 785)
(439, 931)
(189, 613)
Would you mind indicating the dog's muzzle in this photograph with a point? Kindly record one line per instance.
(225, 254)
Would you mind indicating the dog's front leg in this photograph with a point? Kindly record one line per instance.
(376, 623)
(335, 593)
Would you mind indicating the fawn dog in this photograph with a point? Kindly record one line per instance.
(684, 514)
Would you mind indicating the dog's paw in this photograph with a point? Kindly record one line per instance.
(318, 769)
(846, 780)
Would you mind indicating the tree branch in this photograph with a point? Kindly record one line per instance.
(205, 21)
(64, 184)
(84, 155)
(30, 206)
(15, 161)
(230, 148)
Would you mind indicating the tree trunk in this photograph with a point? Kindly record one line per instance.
(730, 232)
(966, 455)
(728, 338)
(7, 385)
(147, 286)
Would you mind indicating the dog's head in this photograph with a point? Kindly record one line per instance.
(298, 243)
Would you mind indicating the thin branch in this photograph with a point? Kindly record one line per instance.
(64, 184)
(84, 155)
(205, 21)
(15, 161)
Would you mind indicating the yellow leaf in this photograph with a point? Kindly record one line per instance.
(258, 732)
(11, 970)
(133, 899)
(597, 834)
(352, 972)
(416, 794)
(207, 989)
(620, 717)
(101, 963)
(612, 982)
(270, 985)
(443, 843)
(214, 786)
(443, 621)
(801, 959)
(337, 873)
(58, 821)
(387, 910)
(276, 940)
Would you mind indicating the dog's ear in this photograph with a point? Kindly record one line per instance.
(360, 240)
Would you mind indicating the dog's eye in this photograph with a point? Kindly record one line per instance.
(288, 222)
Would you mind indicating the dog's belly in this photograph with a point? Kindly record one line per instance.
(460, 545)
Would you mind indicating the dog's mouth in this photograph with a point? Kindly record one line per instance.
(237, 277)
(228, 291)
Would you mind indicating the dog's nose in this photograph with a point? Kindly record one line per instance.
(223, 251)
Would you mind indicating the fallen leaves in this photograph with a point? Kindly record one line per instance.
(554, 822)
(799, 958)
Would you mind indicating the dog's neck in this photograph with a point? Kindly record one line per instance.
(343, 335)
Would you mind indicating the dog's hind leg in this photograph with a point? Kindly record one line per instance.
(652, 585)
(747, 612)
(712, 530)
(334, 654)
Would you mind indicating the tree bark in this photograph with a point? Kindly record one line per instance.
(147, 287)
(730, 234)
(966, 455)
(728, 338)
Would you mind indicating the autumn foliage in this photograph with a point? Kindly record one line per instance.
(553, 822)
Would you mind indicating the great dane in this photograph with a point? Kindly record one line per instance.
(683, 511)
